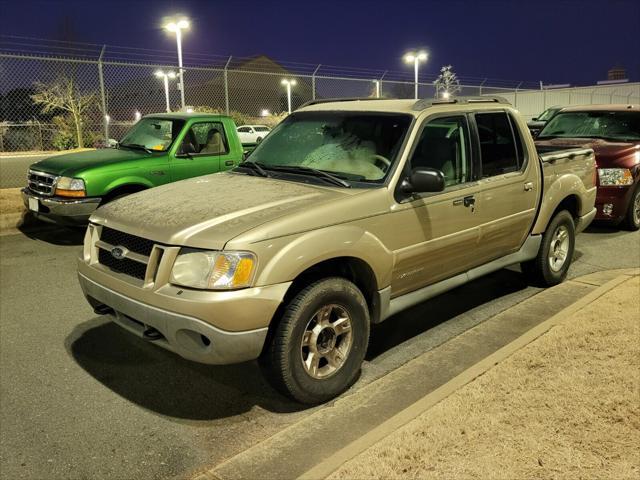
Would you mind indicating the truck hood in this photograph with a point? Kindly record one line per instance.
(208, 211)
(73, 164)
(608, 154)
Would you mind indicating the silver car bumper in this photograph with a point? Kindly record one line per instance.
(189, 337)
(58, 210)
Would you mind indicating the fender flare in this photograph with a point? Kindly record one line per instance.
(309, 249)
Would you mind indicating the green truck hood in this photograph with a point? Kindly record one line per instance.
(73, 164)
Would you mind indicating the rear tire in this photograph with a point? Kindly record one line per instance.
(632, 218)
(317, 348)
(552, 263)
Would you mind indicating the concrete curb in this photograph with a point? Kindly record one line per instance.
(332, 463)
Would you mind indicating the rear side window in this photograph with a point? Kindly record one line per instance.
(500, 150)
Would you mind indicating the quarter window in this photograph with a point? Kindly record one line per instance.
(444, 146)
(498, 147)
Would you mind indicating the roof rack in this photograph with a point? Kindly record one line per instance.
(343, 99)
(429, 102)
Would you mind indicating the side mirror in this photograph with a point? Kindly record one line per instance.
(423, 180)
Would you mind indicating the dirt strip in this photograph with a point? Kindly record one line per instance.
(564, 406)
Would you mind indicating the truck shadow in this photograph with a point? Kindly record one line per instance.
(51, 233)
(427, 315)
(163, 382)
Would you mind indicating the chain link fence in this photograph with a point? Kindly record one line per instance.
(250, 90)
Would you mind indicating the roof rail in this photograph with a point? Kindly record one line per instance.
(331, 100)
(429, 102)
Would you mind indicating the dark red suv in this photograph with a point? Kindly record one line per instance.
(613, 131)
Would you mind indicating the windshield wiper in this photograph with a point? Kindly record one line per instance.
(136, 146)
(254, 167)
(315, 172)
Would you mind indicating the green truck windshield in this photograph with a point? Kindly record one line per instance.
(623, 126)
(156, 134)
(355, 146)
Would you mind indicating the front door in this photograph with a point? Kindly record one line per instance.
(204, 149)
(435, 234)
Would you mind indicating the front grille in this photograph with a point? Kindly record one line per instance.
(131, 242)
(42, 183)
(125, 265)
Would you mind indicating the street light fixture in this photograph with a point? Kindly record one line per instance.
(166, 76)
(289, 83)
(416, 58)
(446, 95)
(177, 27)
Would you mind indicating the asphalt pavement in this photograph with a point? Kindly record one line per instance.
(81, 398)
(13, 169)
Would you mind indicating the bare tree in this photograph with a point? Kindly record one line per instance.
(447, 82)
(62, 94)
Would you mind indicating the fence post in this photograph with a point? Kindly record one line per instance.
(629, 96)
(313, 82)
(102, 96)
(515, 96)
(480, 87)
(381, 78)
(544, 96)
(226, 87)
(40, 136)
(611, 95)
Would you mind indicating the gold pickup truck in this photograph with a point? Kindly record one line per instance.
(347, 213)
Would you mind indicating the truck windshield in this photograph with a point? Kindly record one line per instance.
(547, 114)
(613, 125)
(354, 146)
(155, 134)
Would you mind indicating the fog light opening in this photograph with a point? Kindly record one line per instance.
(607, 209)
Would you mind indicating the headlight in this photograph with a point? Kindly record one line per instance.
(213, 270)
(615, 176)
(70, 187)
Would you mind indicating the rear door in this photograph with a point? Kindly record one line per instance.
(509, 185)
(204, 149)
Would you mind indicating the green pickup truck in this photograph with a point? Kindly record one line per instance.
(159, 149)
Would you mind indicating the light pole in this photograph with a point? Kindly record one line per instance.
(166, 76)
(289, 83)
(415, 58)
(177, 27)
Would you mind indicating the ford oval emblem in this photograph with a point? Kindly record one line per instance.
(118, 252)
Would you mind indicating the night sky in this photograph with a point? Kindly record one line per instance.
(555, 41)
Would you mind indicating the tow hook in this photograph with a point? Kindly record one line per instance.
(103, 310)
(151, 334)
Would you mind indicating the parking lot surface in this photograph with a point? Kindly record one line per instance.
(83, 398)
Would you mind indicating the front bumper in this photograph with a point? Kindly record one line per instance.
(190, 322)
(613, 202)
(74, 211)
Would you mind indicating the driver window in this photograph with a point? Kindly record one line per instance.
(206, 139)
(444, 145)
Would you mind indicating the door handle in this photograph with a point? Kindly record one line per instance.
(466, 201)
(528, 186)
(228, 163)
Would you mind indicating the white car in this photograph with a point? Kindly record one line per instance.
(252, 133)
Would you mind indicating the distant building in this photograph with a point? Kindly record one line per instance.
(617, 73)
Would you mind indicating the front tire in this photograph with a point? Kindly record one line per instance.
(317, 349)
(552, 263)
(632, 218)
